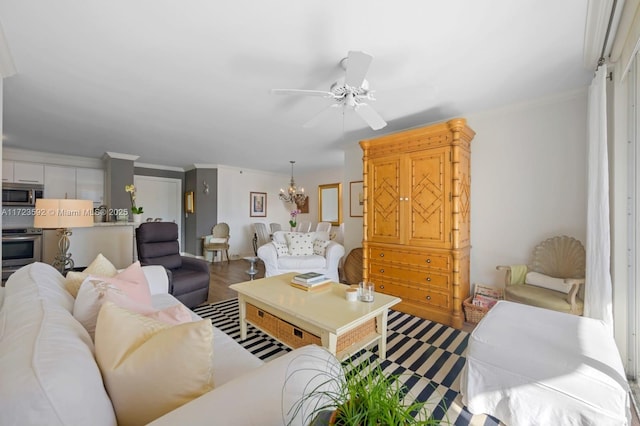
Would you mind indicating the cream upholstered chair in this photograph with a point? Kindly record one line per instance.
(554, 279)
(301, 252)
(218, 241)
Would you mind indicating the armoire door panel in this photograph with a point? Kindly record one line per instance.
(463, 204)
(384, 202)
(430, 189)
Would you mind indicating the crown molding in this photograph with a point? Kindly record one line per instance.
(107, 155)
(158, 167)
(17, 154)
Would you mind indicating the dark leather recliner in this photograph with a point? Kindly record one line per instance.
(157, 244)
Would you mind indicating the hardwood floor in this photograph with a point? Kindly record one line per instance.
(223, 274)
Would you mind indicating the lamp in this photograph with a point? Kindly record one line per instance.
(63, 215)
(292, 195)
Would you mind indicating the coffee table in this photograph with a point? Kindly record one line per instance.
(297, 317)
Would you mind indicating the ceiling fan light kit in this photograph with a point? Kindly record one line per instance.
(292, 195)
(352, 92)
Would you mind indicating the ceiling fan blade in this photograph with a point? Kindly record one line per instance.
(357, 66)
(321, 115)
(370, 115)
(320, 93)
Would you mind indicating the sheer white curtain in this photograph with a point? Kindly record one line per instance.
(598, 294)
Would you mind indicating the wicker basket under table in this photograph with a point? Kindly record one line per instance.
(472, 312)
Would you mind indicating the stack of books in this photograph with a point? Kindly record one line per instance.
(311, 281)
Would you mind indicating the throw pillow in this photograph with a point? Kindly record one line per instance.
(129, 290)
(300, 243)
(99, 266)
(320, 247)
(541, 280)
(282, 249)
(151, 368)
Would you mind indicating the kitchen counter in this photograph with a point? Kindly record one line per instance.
(115, 240)
(115, 224)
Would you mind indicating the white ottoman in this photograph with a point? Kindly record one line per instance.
(533, 366)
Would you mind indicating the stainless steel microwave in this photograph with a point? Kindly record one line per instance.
(21, 194)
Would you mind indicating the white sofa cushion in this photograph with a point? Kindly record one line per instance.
(47, 369)
(302, 262)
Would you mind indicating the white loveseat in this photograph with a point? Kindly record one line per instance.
(49, 375)
(283, 254)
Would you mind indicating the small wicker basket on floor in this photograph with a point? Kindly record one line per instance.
(472, 312)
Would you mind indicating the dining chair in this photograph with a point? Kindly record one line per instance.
(303, 226)
(323, 227)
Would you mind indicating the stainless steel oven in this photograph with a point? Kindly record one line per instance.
(20, 247)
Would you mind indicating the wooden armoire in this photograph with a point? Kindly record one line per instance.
(417, 218)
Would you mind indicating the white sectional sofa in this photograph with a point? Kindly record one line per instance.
(49, 374)
(280, 257)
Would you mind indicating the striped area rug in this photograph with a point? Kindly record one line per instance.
(428, 355)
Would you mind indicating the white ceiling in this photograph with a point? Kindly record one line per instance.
(184, 82)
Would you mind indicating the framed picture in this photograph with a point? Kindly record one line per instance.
(356, 198)
(304, 207)
(189, 202)
(258, 204)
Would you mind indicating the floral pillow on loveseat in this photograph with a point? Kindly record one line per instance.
(301, 243)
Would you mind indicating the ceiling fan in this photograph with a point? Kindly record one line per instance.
(351, 92)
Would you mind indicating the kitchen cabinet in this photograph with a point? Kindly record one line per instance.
(20, 172)
(74, 182)
(7, 171)
(90, 185)
(417, 218)
(60, 182)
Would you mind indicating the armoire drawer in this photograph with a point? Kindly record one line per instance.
(424, 295)
(390, 272)
(429, 259)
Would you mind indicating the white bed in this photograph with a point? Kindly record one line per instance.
(533, 366)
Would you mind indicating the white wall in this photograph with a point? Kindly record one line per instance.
(528, 171)
(352, 173)
(310, 181)
(234, 186)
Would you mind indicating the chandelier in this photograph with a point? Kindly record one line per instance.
(292, 195)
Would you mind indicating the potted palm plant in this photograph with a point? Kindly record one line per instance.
(361, 394)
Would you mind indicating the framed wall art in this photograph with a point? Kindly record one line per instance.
(258, 204)
(189, 202)
(356, 199)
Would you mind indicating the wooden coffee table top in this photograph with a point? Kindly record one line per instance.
(327, 309)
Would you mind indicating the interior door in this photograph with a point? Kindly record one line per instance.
(160, 198)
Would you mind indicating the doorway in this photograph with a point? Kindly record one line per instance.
(161, 198)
